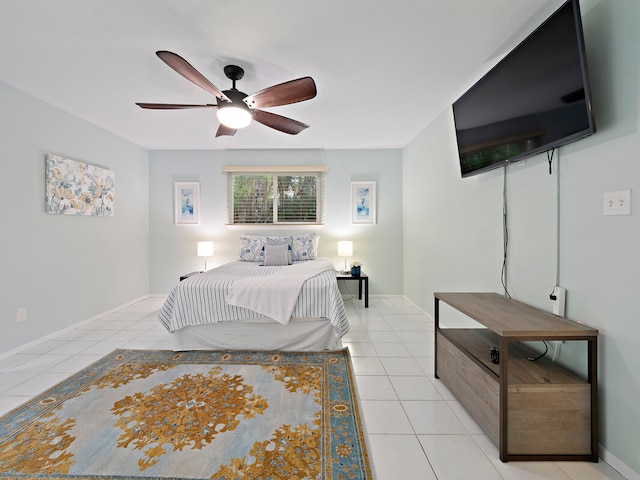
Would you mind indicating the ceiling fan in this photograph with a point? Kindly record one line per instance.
(236, 109)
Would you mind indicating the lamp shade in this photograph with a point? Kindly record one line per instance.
(345, 248)
(205, 249)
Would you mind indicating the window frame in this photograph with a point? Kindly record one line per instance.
(275, 172)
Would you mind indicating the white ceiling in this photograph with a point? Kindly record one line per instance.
(384, 69)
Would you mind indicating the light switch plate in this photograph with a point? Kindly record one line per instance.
(617, 203)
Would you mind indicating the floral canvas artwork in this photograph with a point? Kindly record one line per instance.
(76, 188)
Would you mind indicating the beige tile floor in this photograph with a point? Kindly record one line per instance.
(416, 429)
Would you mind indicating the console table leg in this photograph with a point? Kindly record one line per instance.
(593, 380)
(504, 392)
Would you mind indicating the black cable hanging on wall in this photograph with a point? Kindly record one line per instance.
(550, 154)
(505, 235)
(550, 160)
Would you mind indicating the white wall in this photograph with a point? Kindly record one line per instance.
(65, 269)
(173, 247)
(457, 244)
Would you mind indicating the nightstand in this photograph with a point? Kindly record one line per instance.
(363, 278)
(187, 275)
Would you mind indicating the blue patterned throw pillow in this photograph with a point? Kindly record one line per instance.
(251, 248)
(304, 247)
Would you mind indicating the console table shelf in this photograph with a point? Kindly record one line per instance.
(533, 410)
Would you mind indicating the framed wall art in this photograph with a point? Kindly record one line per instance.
(363, 202)
(77, 188)
(187, 203)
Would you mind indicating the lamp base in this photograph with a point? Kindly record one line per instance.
(346, 270)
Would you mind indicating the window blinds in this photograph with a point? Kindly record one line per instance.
(280, 197)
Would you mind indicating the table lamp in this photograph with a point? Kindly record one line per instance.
(345, 249)
(205, 249)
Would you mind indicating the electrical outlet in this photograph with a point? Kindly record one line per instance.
(617, 203)
(22, 314)
(558, 298)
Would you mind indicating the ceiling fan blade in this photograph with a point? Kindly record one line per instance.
(172, 106)
(283, 94)
(224, 130)
(185, 69)
(284, 124)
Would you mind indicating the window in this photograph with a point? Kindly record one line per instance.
(282, 197)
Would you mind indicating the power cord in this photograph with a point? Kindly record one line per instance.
(346, 297)
(505, 235)
(550, 158)
(546, 349)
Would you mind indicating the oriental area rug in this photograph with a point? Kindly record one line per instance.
(219, 415)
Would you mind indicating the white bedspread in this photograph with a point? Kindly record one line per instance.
(202, 299)
(275, 295)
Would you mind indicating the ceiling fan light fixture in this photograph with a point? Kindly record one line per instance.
(233, 116)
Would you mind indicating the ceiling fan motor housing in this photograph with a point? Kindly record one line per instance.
(236, 97)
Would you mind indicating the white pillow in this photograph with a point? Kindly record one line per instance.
(275, 255)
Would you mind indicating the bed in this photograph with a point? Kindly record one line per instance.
(250, 305)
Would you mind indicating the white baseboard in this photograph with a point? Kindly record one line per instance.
(422, 310)
(617, 464)
(70, 327)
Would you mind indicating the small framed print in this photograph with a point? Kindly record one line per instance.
(363, 202)
(187, 203)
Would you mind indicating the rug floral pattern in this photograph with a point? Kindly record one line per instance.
(219, 415)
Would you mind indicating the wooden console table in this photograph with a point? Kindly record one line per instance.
(532, 410)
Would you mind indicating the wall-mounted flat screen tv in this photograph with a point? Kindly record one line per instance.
(535, 99)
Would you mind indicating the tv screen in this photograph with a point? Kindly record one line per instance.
(535, 99)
